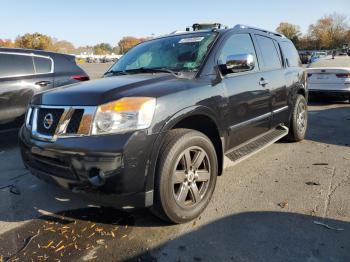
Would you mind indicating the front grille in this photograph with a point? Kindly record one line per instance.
(74, 123)
(44, 114)
(61, 122)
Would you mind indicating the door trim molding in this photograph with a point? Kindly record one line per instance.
(250, 121)
(276, 111)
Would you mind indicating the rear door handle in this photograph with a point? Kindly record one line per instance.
(263, 82)
(43, 83)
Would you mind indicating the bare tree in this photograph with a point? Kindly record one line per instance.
(290, 31)
(329, 32)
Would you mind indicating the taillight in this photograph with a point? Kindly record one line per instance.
(346, 75)
(81, 77)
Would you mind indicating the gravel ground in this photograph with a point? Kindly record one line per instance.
(289, 202)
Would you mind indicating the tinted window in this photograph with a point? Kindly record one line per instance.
(291, 54)
(13, 65)
(235, 45)
(269, 52)
(42, 65)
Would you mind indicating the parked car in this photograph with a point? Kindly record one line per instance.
(25, 72)
(330, 78)
(168, 117)
(342, 54)
(317, 55)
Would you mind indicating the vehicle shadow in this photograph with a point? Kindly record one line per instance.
(259, 236)
(8, 138)
(249, 236)
(329, 125)
(325, 102)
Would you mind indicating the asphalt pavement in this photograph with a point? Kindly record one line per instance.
(289, 202)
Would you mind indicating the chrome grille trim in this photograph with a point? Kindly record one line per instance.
(60, 132)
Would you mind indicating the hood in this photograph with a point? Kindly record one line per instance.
(97, 92)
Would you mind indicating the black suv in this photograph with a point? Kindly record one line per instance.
(25, 72)
(168, 117)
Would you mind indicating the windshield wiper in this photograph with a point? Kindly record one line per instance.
(153, 70)
(114, 72)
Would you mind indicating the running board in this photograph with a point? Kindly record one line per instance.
(254, 146)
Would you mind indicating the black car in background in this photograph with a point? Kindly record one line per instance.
(305, 57)
(25, 72)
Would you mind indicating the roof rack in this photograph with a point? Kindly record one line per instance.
(239, 26)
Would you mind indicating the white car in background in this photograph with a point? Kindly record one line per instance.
(330, 78)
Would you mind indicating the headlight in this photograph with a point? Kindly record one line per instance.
(123, 115)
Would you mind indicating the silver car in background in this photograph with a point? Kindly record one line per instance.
(330, 78)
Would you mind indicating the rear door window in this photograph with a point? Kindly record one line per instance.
(270, 55)
(16, 65)
(291, 54)
(43, 65)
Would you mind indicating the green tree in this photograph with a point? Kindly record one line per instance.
(102, 49)
(63, 46)
(34, 41)
(116, 50)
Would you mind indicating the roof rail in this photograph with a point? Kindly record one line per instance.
(239, 26)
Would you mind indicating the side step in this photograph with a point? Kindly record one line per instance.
(253, 146)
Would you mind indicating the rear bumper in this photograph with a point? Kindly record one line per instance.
(330, 93)
(111, 169)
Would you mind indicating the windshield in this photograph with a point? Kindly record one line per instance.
(178, 53)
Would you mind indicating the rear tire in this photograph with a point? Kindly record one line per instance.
(298, 122)
(186, 175)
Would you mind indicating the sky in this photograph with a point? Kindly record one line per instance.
(88, 22)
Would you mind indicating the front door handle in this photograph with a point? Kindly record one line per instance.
(43, 83)
(263, 82)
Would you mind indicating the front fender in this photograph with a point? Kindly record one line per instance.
(168, 125)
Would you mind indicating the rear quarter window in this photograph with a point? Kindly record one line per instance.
(65, 65)
(270, 54)
(16, 65)
(42, 65)
(291, 54)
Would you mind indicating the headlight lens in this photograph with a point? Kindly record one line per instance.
(123, 115)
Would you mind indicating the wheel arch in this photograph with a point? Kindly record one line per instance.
(198, 118)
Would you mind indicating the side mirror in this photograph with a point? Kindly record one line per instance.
(238, 63)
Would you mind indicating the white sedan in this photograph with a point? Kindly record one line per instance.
(330, 77)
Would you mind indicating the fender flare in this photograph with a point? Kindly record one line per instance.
(168, 125)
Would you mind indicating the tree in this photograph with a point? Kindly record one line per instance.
(102, 49)
(306, 43)
(62, 46)
(34, 41)
(116, 50)
(329, 32)
(290, 31)
(6, 43)
(128, 42)
(86, 50)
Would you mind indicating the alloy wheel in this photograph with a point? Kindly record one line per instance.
(301, 118)
(191, 177)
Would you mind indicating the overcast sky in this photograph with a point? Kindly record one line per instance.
(87, 22)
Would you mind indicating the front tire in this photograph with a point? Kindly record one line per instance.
(298, 122)
(186, 176)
